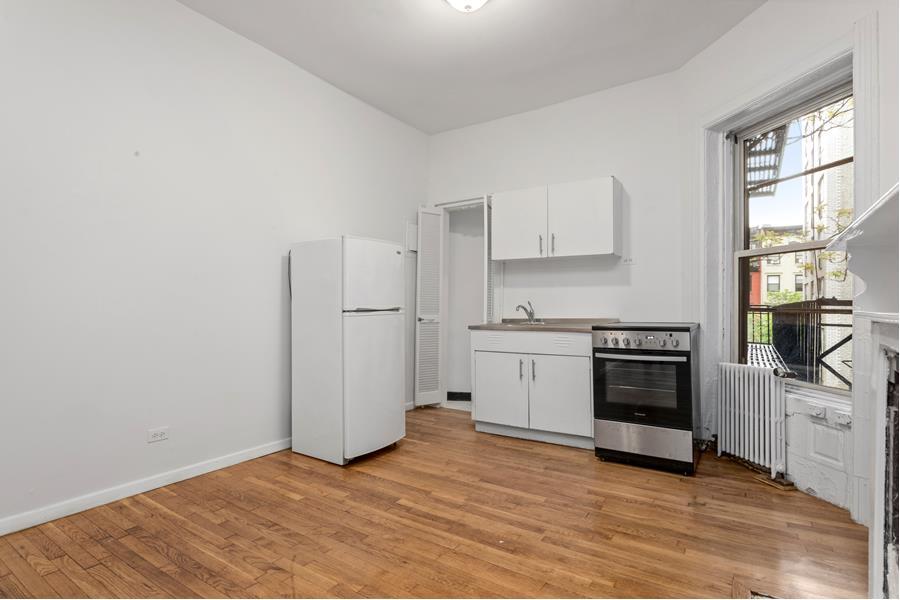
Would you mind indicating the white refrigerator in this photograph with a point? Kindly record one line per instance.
(347, 347)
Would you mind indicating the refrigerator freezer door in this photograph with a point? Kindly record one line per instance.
(374, 412)
(373, 275)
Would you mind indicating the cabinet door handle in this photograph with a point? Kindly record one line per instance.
(540, 244)
(533, 370)
(521, 365)
(553, 243)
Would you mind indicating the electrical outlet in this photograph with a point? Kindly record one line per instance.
(160, 434)
(628, 260)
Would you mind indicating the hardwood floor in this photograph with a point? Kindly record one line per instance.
(447, 513)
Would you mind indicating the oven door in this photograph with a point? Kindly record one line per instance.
(646, 387)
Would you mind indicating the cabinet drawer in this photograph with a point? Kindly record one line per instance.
(532, 342)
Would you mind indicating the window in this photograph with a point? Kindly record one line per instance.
(796, 192)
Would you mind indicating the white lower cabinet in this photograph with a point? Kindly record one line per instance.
(534, 391)
(559, 396)
(501, 381)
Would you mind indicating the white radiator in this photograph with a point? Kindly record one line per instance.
(751, 415)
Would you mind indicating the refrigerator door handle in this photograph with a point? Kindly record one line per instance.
(365, 309)
(290, 278)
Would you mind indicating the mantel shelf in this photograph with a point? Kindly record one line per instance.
(876, 226)
(871, 246)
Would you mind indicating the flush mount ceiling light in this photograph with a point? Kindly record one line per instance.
(467, 6)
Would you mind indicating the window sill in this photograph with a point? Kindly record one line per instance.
(820, 393)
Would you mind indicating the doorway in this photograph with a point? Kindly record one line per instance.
(465, 298)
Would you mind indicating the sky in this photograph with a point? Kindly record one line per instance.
(786, 206)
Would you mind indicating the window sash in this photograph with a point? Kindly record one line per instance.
(741, 200)
(739, 217)
(834, 94)
(812, 170)
(794, 247)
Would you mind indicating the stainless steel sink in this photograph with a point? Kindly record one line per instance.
(563, 324)
(525, 324)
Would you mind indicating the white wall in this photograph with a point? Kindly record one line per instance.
(465, 292)
(649, 134)
(155, 167)
(629, 132)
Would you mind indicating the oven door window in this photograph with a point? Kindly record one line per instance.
(642, 389)
(642, 385)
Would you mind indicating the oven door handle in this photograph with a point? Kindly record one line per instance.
(642, 357)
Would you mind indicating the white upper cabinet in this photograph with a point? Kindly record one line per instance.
(579, 218)
(519, 224)
(583, 217)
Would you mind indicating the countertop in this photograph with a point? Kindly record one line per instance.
(564, 325)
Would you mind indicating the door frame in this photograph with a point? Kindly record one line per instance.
(490, 277)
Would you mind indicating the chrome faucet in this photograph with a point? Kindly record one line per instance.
(529, 311)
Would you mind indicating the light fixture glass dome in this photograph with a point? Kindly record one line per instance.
(467, 6)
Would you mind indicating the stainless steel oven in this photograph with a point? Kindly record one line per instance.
(645, 393)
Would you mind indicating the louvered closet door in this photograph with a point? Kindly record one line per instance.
(429, 296)
(491, 267)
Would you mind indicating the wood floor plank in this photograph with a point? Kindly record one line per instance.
(30, 553)
(150, 572)
(47, 547)
(91, 587)
(122, 585)
(10, 587)
(64, 586)
(85, 542)
(23, 572)
(448, 512)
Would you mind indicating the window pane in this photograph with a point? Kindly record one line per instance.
(809, 207)
(805, 327)
(812, 207)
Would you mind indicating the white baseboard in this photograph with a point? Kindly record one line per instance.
(563, 439)
(81, 503)
(463, 405)
(410, 406)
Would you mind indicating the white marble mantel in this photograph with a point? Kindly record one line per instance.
(871, 242)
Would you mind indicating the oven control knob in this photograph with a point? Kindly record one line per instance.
(637, 342)
(604, 341)
(662, 342)
(615, 341)
(626, 342)
(674, 343)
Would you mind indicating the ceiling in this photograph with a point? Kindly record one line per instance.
(437, 69)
